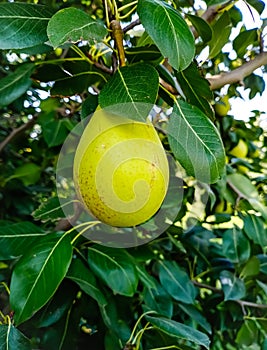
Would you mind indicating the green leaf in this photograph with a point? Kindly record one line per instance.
(176, 282)
(263, 263)
(57, 307)
(73, 25)
(196, 89)
(12, 339)
(252, 268)
(196, 316)
(54, 132)
(169, 31)
(158, 299)
(233, 287)
(179, 330)
(89, 105)
(196, 143)
(255, 230)
(149, 54)
(236, 246)
(23, 25)
(259, 5)
(245, 189)
(132, 91)
(81, 274)
(255, 83)
(247, 333)
(15, 84)
(37, 275)
(17, 238)
(145, 277)
(115, 268)
(28, 173)
(243, 40)
(221, 32)
(202, 27)
(49, 210)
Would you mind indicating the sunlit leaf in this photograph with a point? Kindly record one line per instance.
(196, 89)
(23, 25)
(72, 25)
(169, 31)
(132, 91)
(196, 143)
(221, 31)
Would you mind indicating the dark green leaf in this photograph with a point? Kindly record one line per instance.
(23, 25)
(37, 275)
(149, 54)
(255, 83)
(50, 209)
(12, 339)
(243, 40)
(157, 299)
(255, 230)
(169, 31)
(233, 287)
(196, 143)
(89, 105)
(115, 267)
(196, 89)
(196, 316)
(236, 246)
(179, 330)
(145, 277)
(202, 27)
(263, 263)
(81, 274)
(75, 84)
(259, 5)
(132, 91)
(72, 25)
(215, 2)
(221, 31)
(57, 307)
(176, 282)
(55, 132)
(17, 238)
(15, 84)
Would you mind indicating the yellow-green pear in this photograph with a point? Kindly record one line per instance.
(121, 171)
(240, 150)
(222, 107)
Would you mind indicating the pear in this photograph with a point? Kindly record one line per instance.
(121, 171)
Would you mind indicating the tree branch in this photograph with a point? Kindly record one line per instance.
(237, 75)
(131, 25)
(15, 132)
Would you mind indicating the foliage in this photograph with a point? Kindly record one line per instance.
(202, 283)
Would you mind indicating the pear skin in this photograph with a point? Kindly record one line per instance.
(121, 171)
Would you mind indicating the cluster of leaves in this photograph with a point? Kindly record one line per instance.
(203, 287)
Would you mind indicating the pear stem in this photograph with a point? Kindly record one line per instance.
(117, 34)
